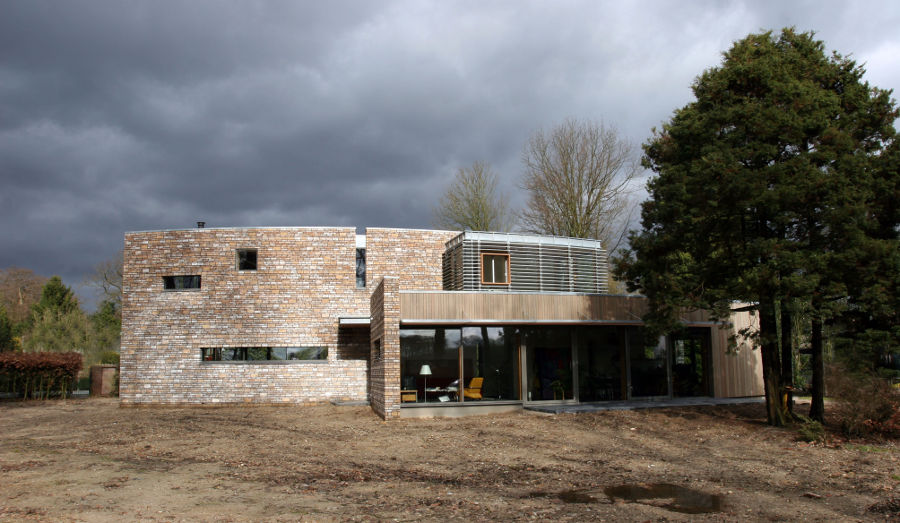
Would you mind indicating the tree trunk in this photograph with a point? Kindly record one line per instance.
(787, 357)
(817, 407)
(768, 333)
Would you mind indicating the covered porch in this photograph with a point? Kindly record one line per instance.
(458, 349)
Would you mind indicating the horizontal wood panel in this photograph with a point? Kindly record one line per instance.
(737, 370)
(463, 306)
(510, 306)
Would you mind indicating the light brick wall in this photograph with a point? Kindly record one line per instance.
(385, 362)
(413, 256)
(305, 281)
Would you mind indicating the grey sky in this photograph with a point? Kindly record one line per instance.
(118, 116)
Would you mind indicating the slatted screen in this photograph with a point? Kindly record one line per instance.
(537, 263)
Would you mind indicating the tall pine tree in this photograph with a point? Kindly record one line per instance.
(763, 189)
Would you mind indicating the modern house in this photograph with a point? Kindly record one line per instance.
(416, 322)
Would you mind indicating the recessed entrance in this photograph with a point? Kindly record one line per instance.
(690, 356)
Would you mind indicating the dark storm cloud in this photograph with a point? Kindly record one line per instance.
(120, 116)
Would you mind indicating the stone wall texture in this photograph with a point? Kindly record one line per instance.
(304, 283)
(385, 354)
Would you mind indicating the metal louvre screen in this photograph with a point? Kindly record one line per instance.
(537, 263)
(452, 268)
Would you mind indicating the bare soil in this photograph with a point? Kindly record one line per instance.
(89, 460)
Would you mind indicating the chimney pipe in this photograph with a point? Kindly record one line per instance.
(201, 225)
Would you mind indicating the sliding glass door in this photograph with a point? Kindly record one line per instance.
(601, 364)
(648, 365)
(549, 363)
(452, 365)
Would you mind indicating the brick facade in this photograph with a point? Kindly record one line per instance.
(304, 283)
(412, 256)
(385, 353)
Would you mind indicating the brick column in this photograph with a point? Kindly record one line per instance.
(384, 384)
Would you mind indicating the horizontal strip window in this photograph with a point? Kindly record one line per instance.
(259, 354)
(181, 283)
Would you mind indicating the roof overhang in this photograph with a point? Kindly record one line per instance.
(354, 321)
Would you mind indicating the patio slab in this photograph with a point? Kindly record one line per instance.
(642, 404)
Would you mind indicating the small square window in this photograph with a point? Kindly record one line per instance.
(246, 259)
(495, 269)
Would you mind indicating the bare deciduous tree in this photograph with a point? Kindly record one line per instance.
(107, 277)
(472, 202)
(19, 290)
(578, 178)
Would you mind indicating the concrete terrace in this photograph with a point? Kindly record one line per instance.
(641, 404)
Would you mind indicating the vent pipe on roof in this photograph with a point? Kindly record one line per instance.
(201, 225)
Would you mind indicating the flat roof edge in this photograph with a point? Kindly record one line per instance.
(541, 293)
(278, 227)
(515, 237)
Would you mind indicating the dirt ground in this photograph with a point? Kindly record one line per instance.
(89, 460)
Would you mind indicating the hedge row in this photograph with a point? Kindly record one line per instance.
(39, 374)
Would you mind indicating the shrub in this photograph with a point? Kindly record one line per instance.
(38, 374)
(109, 357)
(810, 430)
(863, 403)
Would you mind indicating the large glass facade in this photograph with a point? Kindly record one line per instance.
(445, 365)
(490, 363)
(429, 364)
(648, 365)
(550, 363)
(601, 364)
(690, 363)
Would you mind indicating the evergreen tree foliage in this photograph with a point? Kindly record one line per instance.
(107, 323)
(56, 297)
(55, 331)
(764, 191)
(7, 341)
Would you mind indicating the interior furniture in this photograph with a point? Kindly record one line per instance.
(473, 391)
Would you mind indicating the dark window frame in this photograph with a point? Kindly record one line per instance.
(360, 267)
(184, 282)
(241, 258)
(273, 355)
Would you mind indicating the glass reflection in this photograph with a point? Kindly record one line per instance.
(439, 350)
(549, 363)
(601, 358)
(649, 375)
(490, 357)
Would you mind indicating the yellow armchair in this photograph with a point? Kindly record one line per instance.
(473, 391)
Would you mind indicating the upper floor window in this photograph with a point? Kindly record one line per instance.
(360, 268)
(181, 283)
(495, 268)
(246, 259)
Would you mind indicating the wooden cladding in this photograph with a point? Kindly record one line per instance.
(737, 372)
(520, 307)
